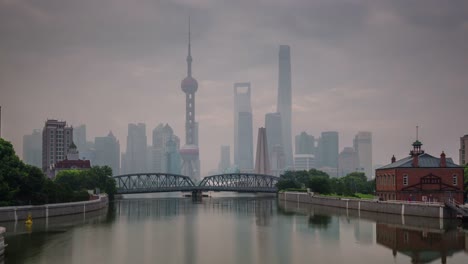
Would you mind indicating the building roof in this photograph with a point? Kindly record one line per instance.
(425, 161)
(73, 164)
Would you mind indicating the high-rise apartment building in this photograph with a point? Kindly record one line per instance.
(32, 148)
(363, 146)
(464, 150)
(285, 101)
(328, 150)
(134, 159)
(56, 140)
(304, 143)
(262, 161)
(348, 162)
(243, 130)
(107, 152)
(225, 159)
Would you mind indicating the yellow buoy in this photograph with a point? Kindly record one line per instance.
(29, 220)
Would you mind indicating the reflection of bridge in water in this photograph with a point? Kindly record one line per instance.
(164, 182)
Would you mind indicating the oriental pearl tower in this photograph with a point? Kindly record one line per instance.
(190, 152)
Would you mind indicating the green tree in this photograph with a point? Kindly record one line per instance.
(288, 180)
(320, 184)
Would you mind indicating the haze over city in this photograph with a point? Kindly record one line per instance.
(379, 66)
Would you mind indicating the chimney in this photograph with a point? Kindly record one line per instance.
(415, 160)
(443, 161)
(393, 159)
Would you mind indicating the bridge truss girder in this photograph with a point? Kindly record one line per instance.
(162, 182)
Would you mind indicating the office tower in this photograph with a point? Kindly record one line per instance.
(190, 152)
(304, 162)
(172, 157)
(135, 156)
(164, 141)
(262, 161)
(348, 162)
(56, 140)
(273, 130)
(107, 151)
(328, 149)
(363, 146)
(79, 137)
(32, 148)
(245, 142)
(305, 144)
(463, 150)
(225, 159)
(277, 160)
(285, 100)
(243, 130)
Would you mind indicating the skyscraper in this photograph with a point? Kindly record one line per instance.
(273, 129)
(328, 150)
(225, 159)
(134, 159)
(172, 156)
(348, 162)
(190, 152)
(285, 100)
(107, 151)
(363, 146)
(243, 130)
(275, 143)
(305, 144)
(262, 161)
(164, 142)
(32, 148)
(463, 150)
(79, 137)
(56, 140)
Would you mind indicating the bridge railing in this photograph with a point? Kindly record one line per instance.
(164, 182)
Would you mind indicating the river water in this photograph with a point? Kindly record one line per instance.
(237, 229)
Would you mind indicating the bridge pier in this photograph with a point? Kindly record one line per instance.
(197, 195)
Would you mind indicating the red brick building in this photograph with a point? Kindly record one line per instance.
(420, 177)
(72, 162)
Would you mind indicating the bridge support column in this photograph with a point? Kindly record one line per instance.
(197, 195)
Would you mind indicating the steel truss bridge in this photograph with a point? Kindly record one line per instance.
(164, 182)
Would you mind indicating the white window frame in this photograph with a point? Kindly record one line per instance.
(455, 179)
(405, 179)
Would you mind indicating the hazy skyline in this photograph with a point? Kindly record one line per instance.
(379, 66)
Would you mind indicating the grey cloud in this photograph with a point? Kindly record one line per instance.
(382, 66)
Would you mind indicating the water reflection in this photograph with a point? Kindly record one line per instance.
(422, 240)
(420, 244)
(233, 230)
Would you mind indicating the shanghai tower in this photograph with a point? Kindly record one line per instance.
(190, 152)
(284, 101)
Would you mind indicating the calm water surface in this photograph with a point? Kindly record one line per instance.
(233, 230)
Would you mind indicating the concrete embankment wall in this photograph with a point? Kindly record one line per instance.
(15, 213)
(399, 208)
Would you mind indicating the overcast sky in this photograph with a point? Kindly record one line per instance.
(379, 66)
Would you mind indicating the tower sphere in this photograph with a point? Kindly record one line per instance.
(189, 85)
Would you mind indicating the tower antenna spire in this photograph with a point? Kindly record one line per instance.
(189, 56)
(417, 132)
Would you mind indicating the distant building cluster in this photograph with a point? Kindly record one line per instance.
(58, 144)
